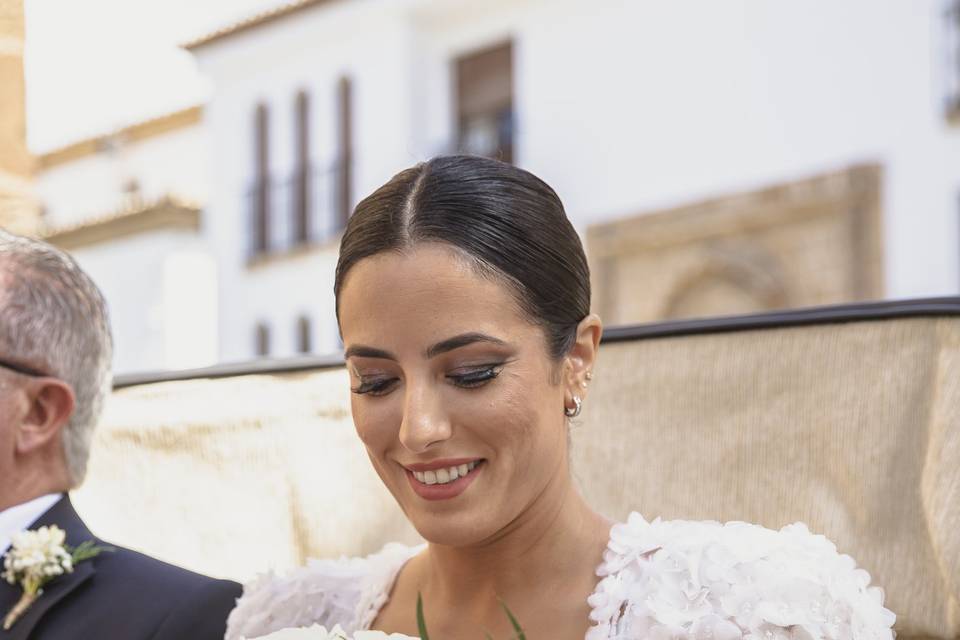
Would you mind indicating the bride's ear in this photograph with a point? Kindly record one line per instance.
(582, 358)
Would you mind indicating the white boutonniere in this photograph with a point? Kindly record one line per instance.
(37, 557)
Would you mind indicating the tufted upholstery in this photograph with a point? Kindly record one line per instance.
(852, 427)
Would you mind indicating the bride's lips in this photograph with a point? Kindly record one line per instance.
(448, 490)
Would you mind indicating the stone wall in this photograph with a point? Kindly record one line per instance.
(18, 210)
(811, 242)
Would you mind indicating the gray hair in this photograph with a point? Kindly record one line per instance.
(53, 317)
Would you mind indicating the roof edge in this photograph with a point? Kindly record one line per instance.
(140, 216)
(135, 132)
(251, 22)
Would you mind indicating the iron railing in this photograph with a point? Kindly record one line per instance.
(307, 207)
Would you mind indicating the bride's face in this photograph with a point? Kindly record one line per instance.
(454, 394)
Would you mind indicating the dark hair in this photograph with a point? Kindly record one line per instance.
(507, 221)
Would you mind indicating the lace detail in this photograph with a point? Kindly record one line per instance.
(704, 580)
(347, 591)
(662, 580)
(377, 591)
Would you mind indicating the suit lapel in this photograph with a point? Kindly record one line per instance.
(9, 594)
(52, 594)
(63, 515)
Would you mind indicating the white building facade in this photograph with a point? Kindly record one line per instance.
(623, 107)
(127, 205)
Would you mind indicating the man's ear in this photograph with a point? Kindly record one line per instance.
(583, 356)
(52, 402)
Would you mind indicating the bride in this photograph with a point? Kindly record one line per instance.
(463, 298)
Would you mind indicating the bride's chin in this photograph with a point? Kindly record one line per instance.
(449, 530)
(460, 522)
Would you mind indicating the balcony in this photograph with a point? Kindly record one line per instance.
(308, 207)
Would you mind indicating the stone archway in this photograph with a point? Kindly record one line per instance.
(805, 243)
(729, 280)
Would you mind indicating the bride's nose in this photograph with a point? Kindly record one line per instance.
(425, 422)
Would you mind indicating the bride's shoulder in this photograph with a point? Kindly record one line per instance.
(342, 591)
(680, 578)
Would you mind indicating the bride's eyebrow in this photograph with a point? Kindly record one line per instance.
(444, 346)
(461, 340)
(361, 351)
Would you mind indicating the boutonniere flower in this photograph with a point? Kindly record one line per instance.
(37, 557)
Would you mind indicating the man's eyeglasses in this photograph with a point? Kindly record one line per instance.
(25, 370)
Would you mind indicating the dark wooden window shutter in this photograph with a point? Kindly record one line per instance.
(484, 94)
(344, 170)
(303, 172)
(261, 186)
(304, 335)
(262, 340)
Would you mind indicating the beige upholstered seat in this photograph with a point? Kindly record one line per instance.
(852, 427)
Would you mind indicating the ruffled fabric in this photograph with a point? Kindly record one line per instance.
(318, 632)
(667, 580)
(346, 591)
(660, 580)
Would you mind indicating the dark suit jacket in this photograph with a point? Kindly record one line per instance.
(119, 595)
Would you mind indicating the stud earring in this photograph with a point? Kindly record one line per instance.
(589, 375)
(575, 411)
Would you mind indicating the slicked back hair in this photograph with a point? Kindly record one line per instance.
(510, 224)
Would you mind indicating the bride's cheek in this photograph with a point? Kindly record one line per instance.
(375, 426)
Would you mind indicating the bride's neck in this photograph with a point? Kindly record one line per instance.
(554, 541)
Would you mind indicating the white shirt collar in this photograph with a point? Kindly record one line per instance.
(21, 516)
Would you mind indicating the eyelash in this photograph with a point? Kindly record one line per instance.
(373, 388)
(474, 379)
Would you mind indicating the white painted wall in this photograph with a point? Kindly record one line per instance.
(364, 41)
(146, 279)
(277, 295)
(623, 107)
(161, 286)
(173, 163)
(626, 107)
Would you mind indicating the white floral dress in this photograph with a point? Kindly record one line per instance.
(659, 580)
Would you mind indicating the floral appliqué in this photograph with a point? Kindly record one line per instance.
(682, 580)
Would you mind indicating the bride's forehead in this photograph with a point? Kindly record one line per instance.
(382, 305)
(426, 258)
(426, 277)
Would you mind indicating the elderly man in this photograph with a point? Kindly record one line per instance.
(55, 354)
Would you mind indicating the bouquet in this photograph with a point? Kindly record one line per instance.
(317, 632)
